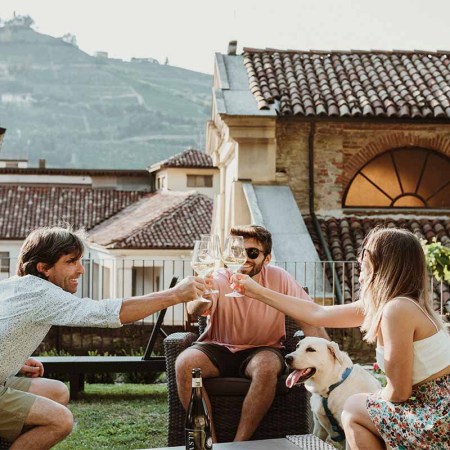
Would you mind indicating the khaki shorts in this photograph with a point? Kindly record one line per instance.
(15, 405)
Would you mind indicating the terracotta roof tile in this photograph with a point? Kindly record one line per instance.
(24, 208)
(116, 219)
(350, 84)
(161, 220)
(344, 237)
(188, 158)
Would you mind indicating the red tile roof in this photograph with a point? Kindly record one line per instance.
(162, 220)
(188, 158)
(396, 84)
(345, 235)
(24, 208)
(116, 219)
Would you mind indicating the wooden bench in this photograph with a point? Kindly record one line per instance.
(75, 367)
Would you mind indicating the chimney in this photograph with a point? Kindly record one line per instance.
(2, 135)
(42, 164)
(232, 47)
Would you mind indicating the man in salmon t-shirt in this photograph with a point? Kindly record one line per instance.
(244, 336)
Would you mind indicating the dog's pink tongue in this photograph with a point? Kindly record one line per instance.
(293, 378)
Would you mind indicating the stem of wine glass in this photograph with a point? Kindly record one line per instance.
(202, 275)
(234, 293)
(213, 291)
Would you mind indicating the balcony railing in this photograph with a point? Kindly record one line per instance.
(125, 277)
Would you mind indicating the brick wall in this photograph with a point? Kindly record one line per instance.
(341, 149)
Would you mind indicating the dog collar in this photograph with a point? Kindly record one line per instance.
(340, 436)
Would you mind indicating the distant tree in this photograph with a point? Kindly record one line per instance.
(20, 21)
(70, 39)
(166, 61)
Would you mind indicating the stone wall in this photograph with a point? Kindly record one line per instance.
(127, 340)
(340, 150)
(130, 338)
(292, 158)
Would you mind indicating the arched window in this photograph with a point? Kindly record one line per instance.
(402, 178)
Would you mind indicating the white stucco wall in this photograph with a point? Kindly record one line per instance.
(176, 180)
(12, 248)
(45, 179)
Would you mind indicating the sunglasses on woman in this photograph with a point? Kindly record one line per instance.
(361, 257)
(253, 252)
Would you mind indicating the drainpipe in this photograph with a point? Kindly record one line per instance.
(312, 132)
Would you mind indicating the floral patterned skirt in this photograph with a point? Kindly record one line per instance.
(422, 422)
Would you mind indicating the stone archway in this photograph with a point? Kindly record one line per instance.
(405, 177)
(387, 142)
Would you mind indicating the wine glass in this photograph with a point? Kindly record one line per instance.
(214, 252)
(233, 256)
(202, 262)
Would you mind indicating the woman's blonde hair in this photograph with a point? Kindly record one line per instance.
(397, 268)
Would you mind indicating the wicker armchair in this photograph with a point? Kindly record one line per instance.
(289, 413)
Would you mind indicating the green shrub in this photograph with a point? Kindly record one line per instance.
(54, 352)
(438, 259)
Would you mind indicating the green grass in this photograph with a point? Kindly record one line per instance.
(119, 416)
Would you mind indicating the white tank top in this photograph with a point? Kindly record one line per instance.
(431, 355)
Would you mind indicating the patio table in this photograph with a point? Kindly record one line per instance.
(295, 442)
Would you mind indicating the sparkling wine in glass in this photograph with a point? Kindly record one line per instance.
(202, 262)
(214, 252)
(234, 256)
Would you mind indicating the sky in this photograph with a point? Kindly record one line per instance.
(190, 32)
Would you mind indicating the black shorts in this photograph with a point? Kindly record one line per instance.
(232, 364)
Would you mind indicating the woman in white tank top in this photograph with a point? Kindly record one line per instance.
(413, 411)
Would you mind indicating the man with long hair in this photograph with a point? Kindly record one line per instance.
(33, 411)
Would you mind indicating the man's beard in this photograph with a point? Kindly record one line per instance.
(253, 270)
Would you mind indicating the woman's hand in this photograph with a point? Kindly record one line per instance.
(245, 285)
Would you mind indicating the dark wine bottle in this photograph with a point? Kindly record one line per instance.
(198, 424)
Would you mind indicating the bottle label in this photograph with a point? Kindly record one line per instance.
(198, 440)
(196, 382)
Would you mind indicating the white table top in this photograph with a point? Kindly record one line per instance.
(266, 444)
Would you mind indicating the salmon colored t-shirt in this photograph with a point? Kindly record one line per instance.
(239, 323)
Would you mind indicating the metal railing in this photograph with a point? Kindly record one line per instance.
(126, 277)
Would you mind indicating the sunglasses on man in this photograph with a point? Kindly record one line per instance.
(253, 252)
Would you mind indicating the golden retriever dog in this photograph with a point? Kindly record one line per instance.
(331, 377)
